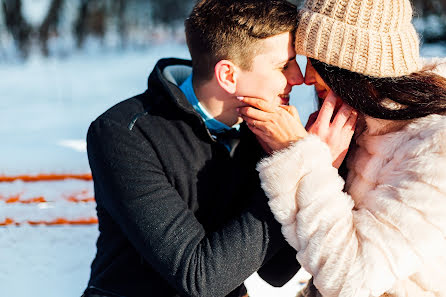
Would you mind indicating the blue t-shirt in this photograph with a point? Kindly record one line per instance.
(212, 124)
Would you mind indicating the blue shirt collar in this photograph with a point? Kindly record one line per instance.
(212, 124)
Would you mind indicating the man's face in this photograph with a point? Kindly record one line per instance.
(274, 71)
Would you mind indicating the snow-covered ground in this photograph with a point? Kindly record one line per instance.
(46, 108)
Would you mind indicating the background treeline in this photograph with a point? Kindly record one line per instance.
(59, 26)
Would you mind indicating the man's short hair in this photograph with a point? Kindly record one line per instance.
(230, 30)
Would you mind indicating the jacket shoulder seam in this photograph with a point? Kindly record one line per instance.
(135, 118)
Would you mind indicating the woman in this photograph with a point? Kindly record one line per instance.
(382, 232)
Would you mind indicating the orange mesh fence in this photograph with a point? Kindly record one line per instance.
(81, 196)
(45, 177)
(58, 221)
(41, 199)
(16, 199)
(77, 197)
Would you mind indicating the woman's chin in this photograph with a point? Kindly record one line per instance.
(322, 94)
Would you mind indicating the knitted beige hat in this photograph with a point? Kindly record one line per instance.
(372, 37)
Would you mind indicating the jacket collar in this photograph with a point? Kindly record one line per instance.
(159, 82)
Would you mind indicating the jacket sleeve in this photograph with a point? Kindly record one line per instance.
(357, 250)
(280, 268)
(156, 220)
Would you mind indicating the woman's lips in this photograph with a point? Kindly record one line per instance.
(284, 99)
(322, 94)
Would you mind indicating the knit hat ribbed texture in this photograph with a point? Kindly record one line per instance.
(371, 37)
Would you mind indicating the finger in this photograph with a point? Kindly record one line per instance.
(259, 103)
(342, 116)
(291, 110)
(339, 102)
(253, 123)
(351, 122)
(326, 111)
(311, 119)
(254, 128)
(259, 132)
(338, 162)
(254, 113)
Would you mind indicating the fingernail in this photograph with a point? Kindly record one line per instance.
(240, 98)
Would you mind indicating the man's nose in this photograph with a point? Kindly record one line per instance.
(295, 77)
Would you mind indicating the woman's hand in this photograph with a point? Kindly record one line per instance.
(335, 128)
(275, 126)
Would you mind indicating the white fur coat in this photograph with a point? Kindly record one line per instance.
(384, 229)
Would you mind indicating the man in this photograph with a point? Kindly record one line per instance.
(180, 208)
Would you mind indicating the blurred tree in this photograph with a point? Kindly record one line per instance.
(23, 32)
(49, 24)
(96, 17)
(119, 8)
(90, 20)
(426, 7)
(17, 25)
(170, 12)
(431, 19)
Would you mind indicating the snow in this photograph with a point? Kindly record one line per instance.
(34, 11)
(58, 203)
(49, 104)
(46, 107)
(46, 261)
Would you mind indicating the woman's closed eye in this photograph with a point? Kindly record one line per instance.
(285, 67)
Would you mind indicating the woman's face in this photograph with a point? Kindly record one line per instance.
(313, 78)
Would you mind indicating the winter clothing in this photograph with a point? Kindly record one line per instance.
(381, 232)
(309, 291)
(214, 126)
(211, 123)
(374, 38)
(178, 214)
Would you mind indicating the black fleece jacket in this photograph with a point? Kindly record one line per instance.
(178, 215)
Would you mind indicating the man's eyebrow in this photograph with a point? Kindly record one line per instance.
(286, 61)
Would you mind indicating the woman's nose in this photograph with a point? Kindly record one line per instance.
(310, 78)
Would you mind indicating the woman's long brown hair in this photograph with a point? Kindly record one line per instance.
(417, 95)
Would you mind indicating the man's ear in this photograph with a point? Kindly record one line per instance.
(226, 75)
